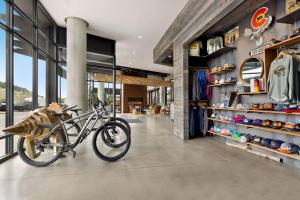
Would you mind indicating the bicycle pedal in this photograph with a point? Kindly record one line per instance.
(73, 152)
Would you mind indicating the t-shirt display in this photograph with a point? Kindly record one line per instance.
(283, 79)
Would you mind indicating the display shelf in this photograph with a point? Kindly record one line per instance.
(251, 93)
(219, 52)
(198, 68)
(259, 127)
(222, 71)
(284, 43)
(290, 18)
(297, 157)
(215, 54)
(253, 111)
(221, 85)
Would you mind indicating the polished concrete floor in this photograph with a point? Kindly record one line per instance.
(158, 166)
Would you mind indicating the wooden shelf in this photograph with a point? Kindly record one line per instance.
(259, 128)
(212, 55)
(290, 18)
(294, 156)
(254, 111)
(222, 71)
(251, 93)
(221, 85)
(219, 52)
(198, 68)
(284, 43)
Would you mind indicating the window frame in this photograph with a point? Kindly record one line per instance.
(51, 64)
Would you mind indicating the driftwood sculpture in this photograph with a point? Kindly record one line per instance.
(30, 125)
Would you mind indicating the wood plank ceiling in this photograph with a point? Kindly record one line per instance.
(131, 80)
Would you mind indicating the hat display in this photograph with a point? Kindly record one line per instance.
(289, 148)
(266, 142)
(257, 139)
(277, 124)
(275, 144)
(257, 122)
(267, 123)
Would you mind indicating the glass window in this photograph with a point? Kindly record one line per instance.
(63, 86)
(3, 12)
(2, 148)
(26, 6)
(45, 45)
(42, 66)
(22, 79)
(2, 84)
(22, 26)
(45, 24)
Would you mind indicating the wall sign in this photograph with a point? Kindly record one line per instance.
(258, 50)
(260, 22)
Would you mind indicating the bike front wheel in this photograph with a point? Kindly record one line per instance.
(111, 141)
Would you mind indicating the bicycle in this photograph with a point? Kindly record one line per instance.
(114, 135)
(105, 116)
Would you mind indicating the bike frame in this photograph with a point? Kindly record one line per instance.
(89, 116)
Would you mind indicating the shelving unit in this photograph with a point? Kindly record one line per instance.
(290, 18)
(259, 128)
(297, 157)
(220, 52)
(221, 85)
(251, 93)
(253, 111)
(222, 71)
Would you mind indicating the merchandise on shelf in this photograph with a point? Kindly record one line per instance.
(279, 145)
(214, 44)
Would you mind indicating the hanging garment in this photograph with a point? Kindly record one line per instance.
(198, 123)
(209, 81)
(283, 79)
(195, 91)
(202, 85)
(194, 122)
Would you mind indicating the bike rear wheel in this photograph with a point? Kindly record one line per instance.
(111, 141)
(34, 154)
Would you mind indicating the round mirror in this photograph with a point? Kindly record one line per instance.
(252, 68)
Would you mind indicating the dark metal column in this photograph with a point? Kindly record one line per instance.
(9, 82)
(114, 86)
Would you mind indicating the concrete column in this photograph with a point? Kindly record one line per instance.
(76, 62)
(181, 91)
(162, 91)
(101, 91)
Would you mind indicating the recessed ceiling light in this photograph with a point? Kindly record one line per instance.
(133, 53)
(170, 56)
(140, 37)
(130, 63)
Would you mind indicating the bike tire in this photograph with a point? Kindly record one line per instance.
(122, 121)
(29, 161)
(100, 131)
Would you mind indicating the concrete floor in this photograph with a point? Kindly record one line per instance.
(158, 166)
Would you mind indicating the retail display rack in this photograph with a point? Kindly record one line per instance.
(249, 144)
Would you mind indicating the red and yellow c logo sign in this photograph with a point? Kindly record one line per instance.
(259, 19)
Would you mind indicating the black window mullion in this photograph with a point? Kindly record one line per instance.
(22, 13)
(35, 60)
(9, 81)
